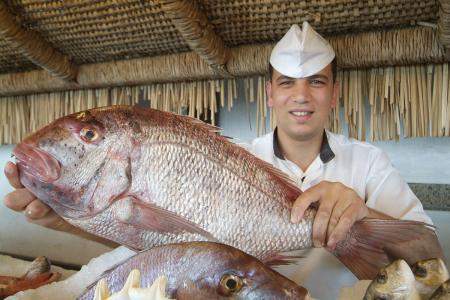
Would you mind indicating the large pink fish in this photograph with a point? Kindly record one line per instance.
(143, 177)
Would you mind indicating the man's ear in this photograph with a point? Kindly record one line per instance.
(335, 97)
(269, 93)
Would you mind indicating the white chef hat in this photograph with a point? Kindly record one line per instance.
(301, 52)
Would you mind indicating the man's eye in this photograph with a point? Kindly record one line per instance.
(288, 82)
(316, 82)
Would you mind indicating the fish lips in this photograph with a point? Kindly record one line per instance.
(277, 290)
(37, 163)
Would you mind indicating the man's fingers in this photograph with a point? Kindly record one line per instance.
(53, 221)
(346, 221)
(302, 203)
(338, 211)
(12, 173)
(299, 208)
(19, 199)
(36, 210)
(321, 222)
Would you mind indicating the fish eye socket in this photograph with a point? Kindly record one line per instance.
(89, 134)
(230, 284)
(382, 277)
(419, 271)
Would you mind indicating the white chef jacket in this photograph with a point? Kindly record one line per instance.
(358, 165)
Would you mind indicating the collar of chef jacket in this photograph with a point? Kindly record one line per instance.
(326, 154)
(271, 152)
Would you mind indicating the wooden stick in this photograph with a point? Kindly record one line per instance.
(406, 105)
(419, 99)
(414, 102)
(251, 88)
(439, 102)
(446, 107)
(235, 94)
(198, 94)
(362, 109)
(444, 100)
(229, 94)
(213, 100)
(372, 83)
(387, 81)
(263, 102)
(423, 82)
(434, 103)
(246, 83)
(347, 93)
(222, 93)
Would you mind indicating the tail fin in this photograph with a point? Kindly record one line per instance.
(372, 243)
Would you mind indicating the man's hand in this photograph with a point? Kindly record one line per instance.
(339, 208)
(22, 200)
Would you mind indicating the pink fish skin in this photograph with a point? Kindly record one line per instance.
(200, 270)
(143, 178)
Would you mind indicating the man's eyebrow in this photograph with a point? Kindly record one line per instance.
(318, 76)
(283, 77)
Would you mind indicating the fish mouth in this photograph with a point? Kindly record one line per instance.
(281, 291)
(37, 163)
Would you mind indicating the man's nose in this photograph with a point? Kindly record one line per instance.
(300, 92)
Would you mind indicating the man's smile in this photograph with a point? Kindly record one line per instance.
(301, 115)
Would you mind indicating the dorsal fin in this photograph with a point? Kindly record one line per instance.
(200, 123)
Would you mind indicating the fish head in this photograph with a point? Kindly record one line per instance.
(430, 272)
(395, 281)
(233, 274)
(77, 164)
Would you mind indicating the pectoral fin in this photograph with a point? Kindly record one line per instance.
(278, 259)
(154, 218)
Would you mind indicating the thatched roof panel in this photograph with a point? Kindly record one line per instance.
(13, 61)
(91, 31)
(247, 22)
(98, 31)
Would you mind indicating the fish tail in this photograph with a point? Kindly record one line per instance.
(373, 243)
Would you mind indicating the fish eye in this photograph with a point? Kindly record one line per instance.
(419, 271)
(89, 134)
(381, 277)
(230, 284)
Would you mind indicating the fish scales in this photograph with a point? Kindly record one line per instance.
(172, 166)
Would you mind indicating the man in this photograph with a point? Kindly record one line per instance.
(348, 179)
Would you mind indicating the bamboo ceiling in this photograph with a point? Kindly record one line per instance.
(91, 31)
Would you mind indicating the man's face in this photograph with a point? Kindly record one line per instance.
(302, 106)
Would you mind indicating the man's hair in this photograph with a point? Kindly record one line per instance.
(333, 69)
